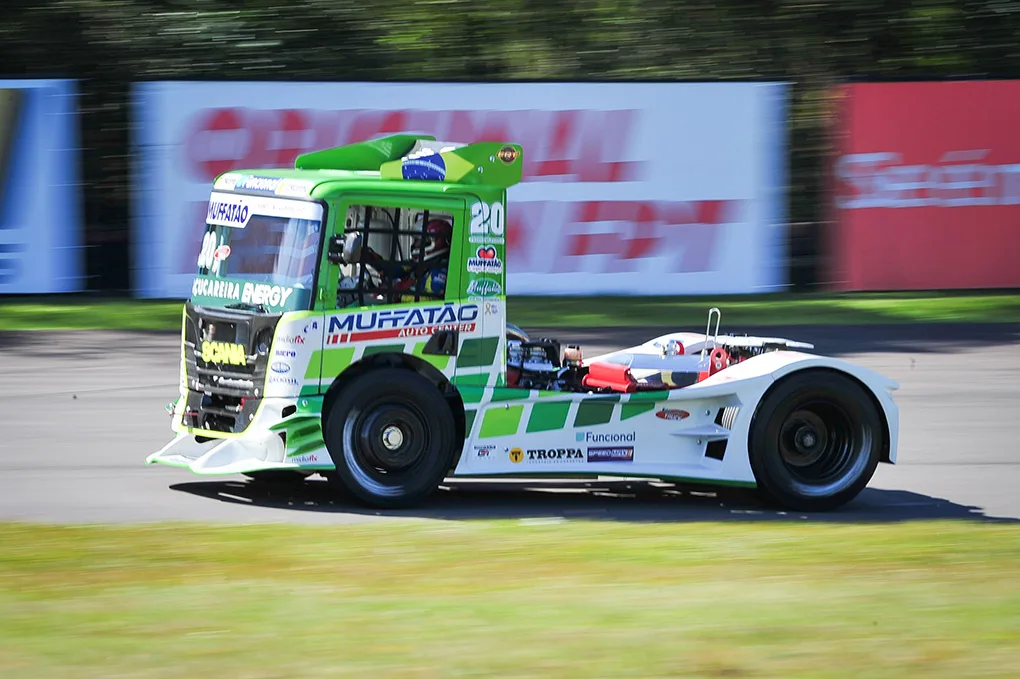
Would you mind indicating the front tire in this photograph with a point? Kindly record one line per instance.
(391, 436)
(815, 441)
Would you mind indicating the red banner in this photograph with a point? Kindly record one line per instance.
(926, 191)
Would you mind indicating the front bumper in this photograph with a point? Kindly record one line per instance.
(271, 442)
(253, 452)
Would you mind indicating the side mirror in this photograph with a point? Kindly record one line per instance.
(351, 248)
(335, 251)
(344, 249)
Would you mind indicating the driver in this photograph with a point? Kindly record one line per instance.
(425, 273)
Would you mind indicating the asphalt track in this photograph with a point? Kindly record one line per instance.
(83, 409)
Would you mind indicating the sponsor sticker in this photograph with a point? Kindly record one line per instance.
(485, 452)
(282, 380)
(554, 454)
(285, 353)
(485, 260)
(279, 186)
(280, 367)
(593, 437)
(488, 223)
(672, 414)
(295, 188)
(249, 293)
(516, 455)
(391, 323)
(226, 212)
(492, 308)
(231, 209)
(611, 454)
(309, 458)
(227, 182)
(507, 154)
(257, 184)
(484, 287)
(224, 352)
(291, 339)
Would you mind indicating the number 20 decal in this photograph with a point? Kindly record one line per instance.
(211, 255)
(487, 223)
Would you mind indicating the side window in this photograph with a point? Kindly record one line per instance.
(399, 255)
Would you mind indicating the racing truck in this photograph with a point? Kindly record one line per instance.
(348, 318)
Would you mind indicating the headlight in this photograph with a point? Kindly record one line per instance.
(263, 341)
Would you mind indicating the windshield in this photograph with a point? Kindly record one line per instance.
(258, 252)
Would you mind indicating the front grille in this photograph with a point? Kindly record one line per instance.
(226, 371)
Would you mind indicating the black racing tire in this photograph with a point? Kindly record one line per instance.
(392, 438)
(278, 476)
(815, 441)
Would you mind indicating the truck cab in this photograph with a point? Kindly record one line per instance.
(383, 254)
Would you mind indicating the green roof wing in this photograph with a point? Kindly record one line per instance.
(419, 157)
(366, 155)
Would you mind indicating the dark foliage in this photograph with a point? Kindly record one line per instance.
(110, 43)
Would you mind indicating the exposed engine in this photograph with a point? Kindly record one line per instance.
(543, 364)
(669, 362)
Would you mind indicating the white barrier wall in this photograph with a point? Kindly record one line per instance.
(628, 188)
(41, 229)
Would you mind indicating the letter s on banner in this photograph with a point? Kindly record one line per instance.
(926, 193)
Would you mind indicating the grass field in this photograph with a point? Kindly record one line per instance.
(856, 309)
(509, 599)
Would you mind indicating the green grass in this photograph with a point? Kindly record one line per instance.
(855, 309)
(509, 599)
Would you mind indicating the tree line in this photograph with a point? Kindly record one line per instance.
(812, 44)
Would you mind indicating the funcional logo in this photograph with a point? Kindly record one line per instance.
(592, 437)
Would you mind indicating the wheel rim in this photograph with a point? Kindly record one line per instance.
(823, 447)
(387, 443)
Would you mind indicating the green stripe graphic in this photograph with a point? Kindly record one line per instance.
(501, 421)
(548, 416)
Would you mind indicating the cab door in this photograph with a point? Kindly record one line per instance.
(389, 284)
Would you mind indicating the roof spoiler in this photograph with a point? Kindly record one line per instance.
(421, 157)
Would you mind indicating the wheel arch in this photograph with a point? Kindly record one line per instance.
(412, 363)
(886, 449)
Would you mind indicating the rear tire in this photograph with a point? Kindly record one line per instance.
(391, 436)
(815, 441)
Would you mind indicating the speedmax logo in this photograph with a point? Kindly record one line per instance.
(555, 454)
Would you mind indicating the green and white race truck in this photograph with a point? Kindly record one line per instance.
(348, 318)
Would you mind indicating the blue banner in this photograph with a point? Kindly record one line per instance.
(41, 225)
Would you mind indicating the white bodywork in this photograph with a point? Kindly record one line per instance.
(646, 445)
(664, 448)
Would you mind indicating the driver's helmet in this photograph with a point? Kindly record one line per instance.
(438, 235)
